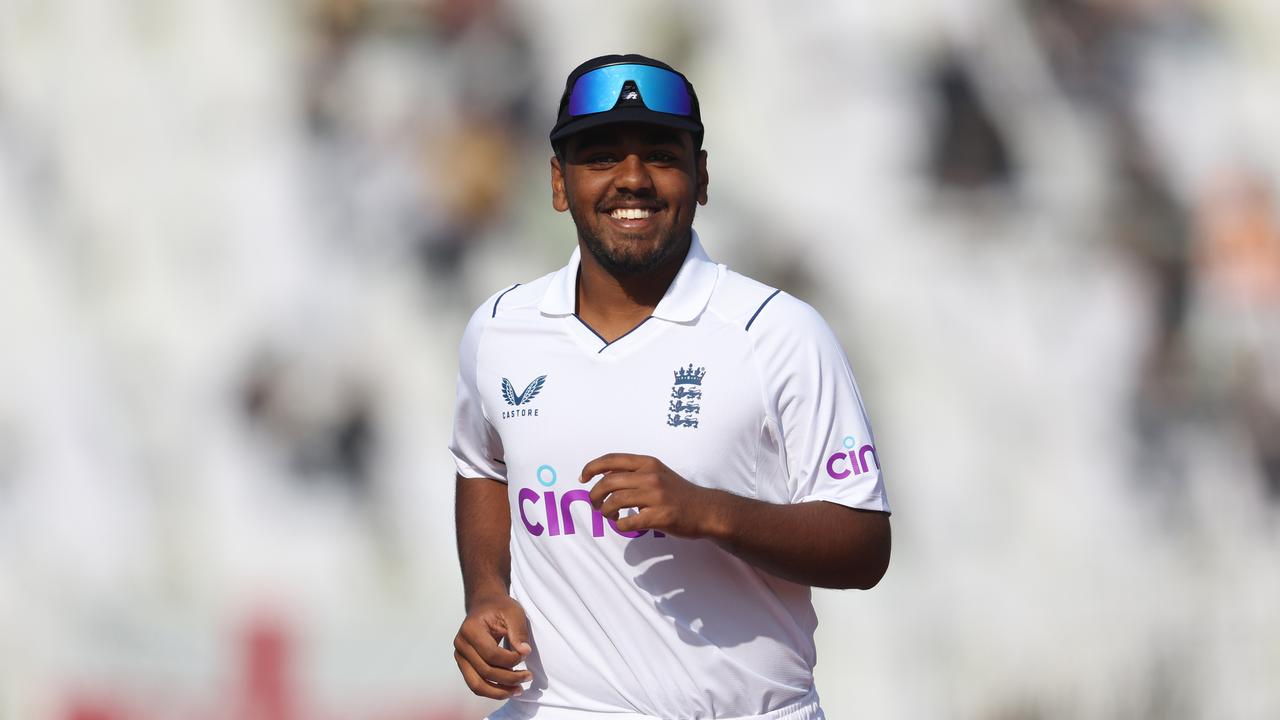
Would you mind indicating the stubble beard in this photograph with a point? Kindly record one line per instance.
(623, 264)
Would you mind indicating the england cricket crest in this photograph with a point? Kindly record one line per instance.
(686, 397)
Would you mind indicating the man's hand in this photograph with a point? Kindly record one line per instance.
(814, 543)
(666, 501)
(485, 664)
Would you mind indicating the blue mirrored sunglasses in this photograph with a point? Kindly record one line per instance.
(661, 90)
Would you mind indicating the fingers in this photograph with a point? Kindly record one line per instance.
(643, 520)
(518, 630)
(481, 635)
(487, 666)
(612, 483)
(619, 499)
(614, 462)
(479, 685)
(489, 672)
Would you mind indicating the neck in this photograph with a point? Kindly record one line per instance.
(613, 304)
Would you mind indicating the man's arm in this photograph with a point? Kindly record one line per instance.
(483, 520)
(483, 523)
(812, 543)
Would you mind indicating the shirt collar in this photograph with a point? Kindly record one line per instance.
(683, 302)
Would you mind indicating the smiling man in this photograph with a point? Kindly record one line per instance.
(657, 457)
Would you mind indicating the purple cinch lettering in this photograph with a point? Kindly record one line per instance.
(597, 520)
(528, 495)
(862, 457)
(558, 511)
(553, 520)
(831, 466)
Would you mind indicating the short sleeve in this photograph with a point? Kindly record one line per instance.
(476, 445)
(830, 452)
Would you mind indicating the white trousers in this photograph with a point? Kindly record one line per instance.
(807, 708)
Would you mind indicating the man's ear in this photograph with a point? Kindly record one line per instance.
(559, 200)
(703, 178)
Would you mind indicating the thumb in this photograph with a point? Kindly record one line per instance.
(518, 630)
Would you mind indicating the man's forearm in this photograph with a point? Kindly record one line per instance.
(483, 521)
(813, 543)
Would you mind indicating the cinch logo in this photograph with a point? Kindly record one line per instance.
(555, 511)
(856, 461)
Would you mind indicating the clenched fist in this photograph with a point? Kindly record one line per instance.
(486, 665)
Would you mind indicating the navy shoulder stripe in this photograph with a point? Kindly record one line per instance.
(766, 302)
(499, 299)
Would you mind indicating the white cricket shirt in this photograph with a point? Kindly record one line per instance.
(733, 385)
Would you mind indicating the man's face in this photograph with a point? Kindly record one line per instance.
(632, 190)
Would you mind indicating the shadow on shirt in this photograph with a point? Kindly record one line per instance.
(713, 598)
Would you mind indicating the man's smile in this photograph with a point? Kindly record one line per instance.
(633, 217)
(628, 219)
(631, 214)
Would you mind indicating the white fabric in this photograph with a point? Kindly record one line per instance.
(657, 626)
(807, 708)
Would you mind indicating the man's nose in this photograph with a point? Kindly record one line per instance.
(633, 175)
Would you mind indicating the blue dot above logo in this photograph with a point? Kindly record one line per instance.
(849, 442)
(544, 470)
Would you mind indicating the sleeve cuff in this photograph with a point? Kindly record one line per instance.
(877, 503)
(467, 470)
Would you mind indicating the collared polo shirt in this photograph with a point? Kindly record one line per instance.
(732, 384)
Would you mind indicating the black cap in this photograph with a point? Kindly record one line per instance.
(625, 110)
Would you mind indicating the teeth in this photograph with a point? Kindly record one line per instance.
(630, 214)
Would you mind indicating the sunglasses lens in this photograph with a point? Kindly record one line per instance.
(598, 90)
(662, 90)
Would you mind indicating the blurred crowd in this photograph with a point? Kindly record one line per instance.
(239, 241)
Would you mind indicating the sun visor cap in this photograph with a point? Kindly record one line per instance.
(627, 88)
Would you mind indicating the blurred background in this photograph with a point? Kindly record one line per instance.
(239, 241)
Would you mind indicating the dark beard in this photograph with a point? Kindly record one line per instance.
(620, 265)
